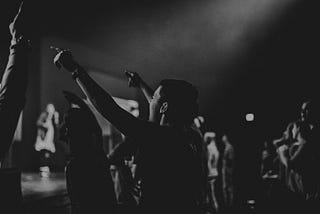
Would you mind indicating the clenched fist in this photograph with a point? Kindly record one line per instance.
(65, 59)
(134, 80)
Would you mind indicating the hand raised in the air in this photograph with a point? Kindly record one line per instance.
(18, 26)
(64, 59)
(134, 80)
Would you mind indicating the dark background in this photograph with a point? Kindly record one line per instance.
(270, 69)
(243, 55)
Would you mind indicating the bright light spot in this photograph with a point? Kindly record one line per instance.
(249, 117)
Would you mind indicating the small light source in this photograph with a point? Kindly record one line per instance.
(249, 117)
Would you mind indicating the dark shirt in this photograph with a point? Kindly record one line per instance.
(169, 169)
(90, 186)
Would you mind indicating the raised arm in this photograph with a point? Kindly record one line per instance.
(136, 81)
(102, 100)
(13, 83)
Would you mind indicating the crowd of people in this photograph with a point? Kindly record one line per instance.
(166, 164)
(290, 163)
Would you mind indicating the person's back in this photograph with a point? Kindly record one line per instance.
(89, 182)
(170, 170)
(89, 186)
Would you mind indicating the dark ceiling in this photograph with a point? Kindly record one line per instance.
(243, 56)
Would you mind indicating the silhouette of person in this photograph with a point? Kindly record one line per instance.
(213, 157)
(13, 85)
(228, 165)
(89, 182)
(170, 170)
(46, 124)
(298, 155)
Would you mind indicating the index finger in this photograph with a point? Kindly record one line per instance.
(19, 11)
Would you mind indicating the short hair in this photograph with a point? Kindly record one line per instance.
(182, 98)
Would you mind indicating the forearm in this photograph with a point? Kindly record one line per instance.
(147, 91)
(14, 80)
(102, 100)
(12, 93)
(105, 104)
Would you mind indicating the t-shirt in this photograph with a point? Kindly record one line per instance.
(213, 156)
(169, 169)
(90, 186)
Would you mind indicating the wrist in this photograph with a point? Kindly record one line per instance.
(71, 65)
(20, 42)
(142, 84)
(77, 72)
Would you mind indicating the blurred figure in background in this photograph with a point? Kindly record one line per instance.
(203, 156)
(299, 157)
(269, 170)
(228, 165)
(269, 160)
(213, 157)
(46, 125)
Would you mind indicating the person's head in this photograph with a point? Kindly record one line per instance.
(225, 139)
(174, 102)
(50, 108)
(209, 137)
(80, 128)
(78, 131)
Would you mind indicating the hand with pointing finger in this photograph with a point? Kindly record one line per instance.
(18, 26)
